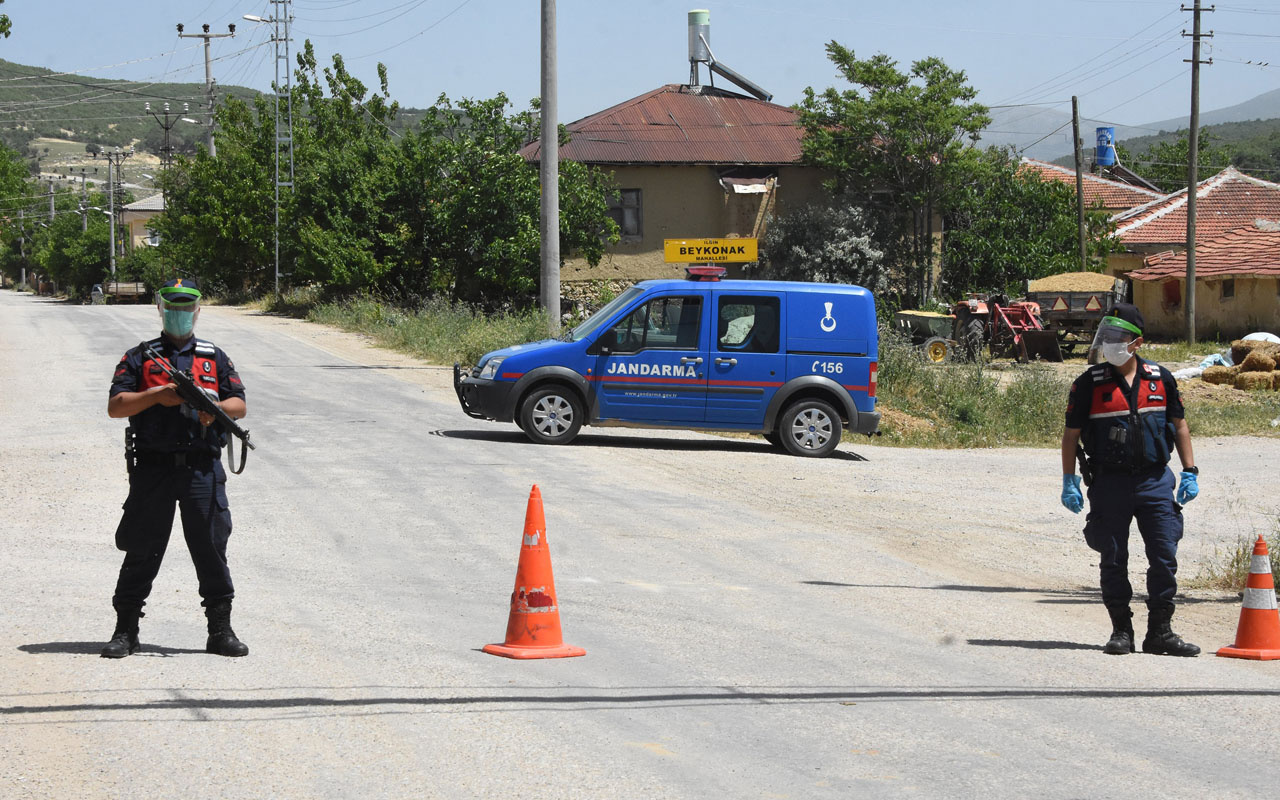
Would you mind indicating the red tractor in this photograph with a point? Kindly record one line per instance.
(1012, 329)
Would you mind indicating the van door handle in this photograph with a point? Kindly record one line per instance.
(687, 360)
(733, 362)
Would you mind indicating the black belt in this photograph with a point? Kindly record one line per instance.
(177, 459)
(1128, 469)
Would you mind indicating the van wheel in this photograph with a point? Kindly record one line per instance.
(810, 428)
(551, 415)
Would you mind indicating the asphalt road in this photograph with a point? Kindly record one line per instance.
(886, 623)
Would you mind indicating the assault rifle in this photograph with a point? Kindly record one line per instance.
(198, 399)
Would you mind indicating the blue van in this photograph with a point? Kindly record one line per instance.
(795, 362)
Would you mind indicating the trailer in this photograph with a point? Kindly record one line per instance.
(1073, 313)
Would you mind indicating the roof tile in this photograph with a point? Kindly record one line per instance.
(1253, 250)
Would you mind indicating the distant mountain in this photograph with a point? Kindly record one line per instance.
(1032, 130)
(1264, 106)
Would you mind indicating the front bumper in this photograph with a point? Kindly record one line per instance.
(483, 399)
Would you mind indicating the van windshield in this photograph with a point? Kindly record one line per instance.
(593, 322)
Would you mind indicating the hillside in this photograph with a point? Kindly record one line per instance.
(1029, 128)
(35, 102)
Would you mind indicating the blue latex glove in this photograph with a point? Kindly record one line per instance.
(1071, 497)
(1187, 489)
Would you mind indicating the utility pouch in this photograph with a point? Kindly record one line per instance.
(130, 449)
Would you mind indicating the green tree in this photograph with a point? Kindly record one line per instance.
(74, 258)
(5, 25)
(220, 212)
(449, 208)
(896, 139)
(1005, 225)
(475, 204)
(1165, 163)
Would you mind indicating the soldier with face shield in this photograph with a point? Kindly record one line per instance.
(173, 461)
(1128, 415)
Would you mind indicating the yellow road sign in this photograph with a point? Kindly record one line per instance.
(704, 251)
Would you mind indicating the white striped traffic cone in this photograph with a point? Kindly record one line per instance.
(1258, 636)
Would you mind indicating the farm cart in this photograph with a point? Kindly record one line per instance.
(1074, 311)
(931, 332)
(1011, 329)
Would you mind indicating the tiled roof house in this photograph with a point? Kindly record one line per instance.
(1237, 290)
(691, 162)
(1113, 196)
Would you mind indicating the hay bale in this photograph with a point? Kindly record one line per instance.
(1241, 348)
(1258, 361)
(1275, 381)
(1253, 381)
(1218, 375)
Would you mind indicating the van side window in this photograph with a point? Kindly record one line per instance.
(664, 323)
(748, 324)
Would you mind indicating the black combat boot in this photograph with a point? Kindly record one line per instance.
(1121, 641)
(1161, 640)
(222, 640)
(124, 642)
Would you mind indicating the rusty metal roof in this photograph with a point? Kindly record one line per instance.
(691, 125)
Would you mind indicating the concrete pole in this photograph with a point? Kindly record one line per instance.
(549, 169)
(1193, 159)
(111, 213)
(1075, 147)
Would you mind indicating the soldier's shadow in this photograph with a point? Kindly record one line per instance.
(95, 648)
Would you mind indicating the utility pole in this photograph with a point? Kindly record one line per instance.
(1193, 162)
(208, 70)
(84, 198)
(114, 159)
(1075, 147)
(166, 150)
(281, 17)
(52, 211)
(22, 243)
(549, 169)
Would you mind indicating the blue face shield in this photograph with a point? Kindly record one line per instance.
(178, 308)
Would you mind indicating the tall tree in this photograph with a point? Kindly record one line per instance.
(1165, 163)
(896, 139)
(1005, 225)
(448, 208)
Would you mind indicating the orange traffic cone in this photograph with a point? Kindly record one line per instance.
(533, 627)
(1258, 636)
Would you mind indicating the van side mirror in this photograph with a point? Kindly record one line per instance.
(607, 343)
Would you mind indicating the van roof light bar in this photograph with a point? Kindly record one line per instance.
(705, 272)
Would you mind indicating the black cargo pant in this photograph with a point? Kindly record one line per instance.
(156, 486)
(1115, 500)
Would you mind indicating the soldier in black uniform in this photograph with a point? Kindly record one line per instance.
(1129, 417)
(174, 460)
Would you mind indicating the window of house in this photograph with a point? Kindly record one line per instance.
(664, 323)
(625, 210)
(1171, 294)
(1228, 288)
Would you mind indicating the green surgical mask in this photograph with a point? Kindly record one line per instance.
(178, 323)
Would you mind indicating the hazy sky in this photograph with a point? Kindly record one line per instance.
(1124, 58)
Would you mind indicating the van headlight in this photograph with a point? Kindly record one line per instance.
(490, 368)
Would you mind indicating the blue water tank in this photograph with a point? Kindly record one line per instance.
(1105, 155)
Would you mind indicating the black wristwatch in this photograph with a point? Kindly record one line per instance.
(1193, 470)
